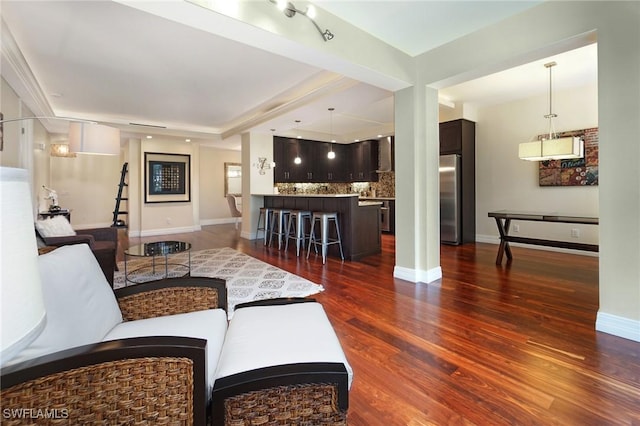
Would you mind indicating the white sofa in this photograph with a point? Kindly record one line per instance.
(163, 351)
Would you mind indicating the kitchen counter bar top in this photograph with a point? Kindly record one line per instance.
(309, 195)
(378, 198)
(359, 221)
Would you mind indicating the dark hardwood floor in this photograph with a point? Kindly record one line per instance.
(486, 345)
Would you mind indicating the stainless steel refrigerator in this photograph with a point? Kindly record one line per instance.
(450, 200)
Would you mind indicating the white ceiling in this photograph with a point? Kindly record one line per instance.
(113, 63)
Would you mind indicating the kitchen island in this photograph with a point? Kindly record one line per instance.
(359, 220)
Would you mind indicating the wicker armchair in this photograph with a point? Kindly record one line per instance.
(106, 357)
(157, 380)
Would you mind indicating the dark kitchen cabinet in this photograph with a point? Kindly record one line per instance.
(337, 168)
(457, 136)
(355, 162)
(285, 150)
(364, 161)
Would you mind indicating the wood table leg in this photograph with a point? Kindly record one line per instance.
(503, 230)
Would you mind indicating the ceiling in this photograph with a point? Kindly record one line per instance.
(110, 62)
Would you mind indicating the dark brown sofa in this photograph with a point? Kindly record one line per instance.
(102, 241)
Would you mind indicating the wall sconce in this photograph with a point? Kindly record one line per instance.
(262, 165)
(61, 150)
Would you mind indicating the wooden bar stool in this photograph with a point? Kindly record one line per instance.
(295, 228)
(279, 219)
(265, 215)
(324, 218)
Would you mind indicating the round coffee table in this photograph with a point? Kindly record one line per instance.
(153, 250)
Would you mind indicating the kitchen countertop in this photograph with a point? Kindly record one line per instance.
(308, 195)
(369, 203)
(378, 198)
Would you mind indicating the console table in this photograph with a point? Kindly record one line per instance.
(503, 221)
(49, 214)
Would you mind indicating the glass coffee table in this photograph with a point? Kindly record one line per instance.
(153, 250)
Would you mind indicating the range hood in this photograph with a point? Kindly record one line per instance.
(385, 156)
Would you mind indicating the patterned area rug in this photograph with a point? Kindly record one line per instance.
(247, 277)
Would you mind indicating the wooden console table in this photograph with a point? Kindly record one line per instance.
(63, 212)
(503, 221)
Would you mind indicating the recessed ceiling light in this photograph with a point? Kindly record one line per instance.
(379, 136)
(149, 137)
(187, 140)
(356, 140)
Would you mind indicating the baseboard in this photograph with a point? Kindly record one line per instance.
(91, 226)
(219, 221)
(416, 275)
(618, 326)
(248, 235)
(165, 231)
(492, 239)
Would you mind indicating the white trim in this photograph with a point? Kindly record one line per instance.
(206, 222)
(250, 236)
(91, 226)
(492, 239)
(165, 231)
(618, 326)
(416, 275)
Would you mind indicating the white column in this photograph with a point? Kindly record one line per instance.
(254, 180)
(417, 185)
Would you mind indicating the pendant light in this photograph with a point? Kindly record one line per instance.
(553, 147)
(331, 155)
(298, 160)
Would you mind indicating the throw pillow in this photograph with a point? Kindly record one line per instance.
(80, 304)
(57, 226)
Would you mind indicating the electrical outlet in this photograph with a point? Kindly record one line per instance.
(575, 233)
(168, 221)
(516, 228)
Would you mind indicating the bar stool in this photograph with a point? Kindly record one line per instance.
(295, 228)
(279, 219)
(265, 215)
(325, 241)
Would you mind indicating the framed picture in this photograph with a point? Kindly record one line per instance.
(167, 178)
(579, 172)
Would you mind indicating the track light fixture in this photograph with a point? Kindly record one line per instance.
(290, 11)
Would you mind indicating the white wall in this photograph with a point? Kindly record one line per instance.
(164, 218)
(87, 185)
(504, 182)
(10, 108)
(543, 31)
(213, 204)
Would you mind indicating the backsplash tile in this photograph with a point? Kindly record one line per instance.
(385, 187)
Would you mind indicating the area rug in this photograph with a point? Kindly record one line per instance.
(247, 277)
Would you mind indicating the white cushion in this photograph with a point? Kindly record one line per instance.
(80, 304)
(265, 336)
(57, 226)
(210, 325)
